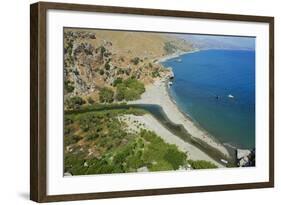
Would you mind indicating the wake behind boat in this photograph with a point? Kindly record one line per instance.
(230, 96)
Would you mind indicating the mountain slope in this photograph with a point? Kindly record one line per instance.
(94, 59)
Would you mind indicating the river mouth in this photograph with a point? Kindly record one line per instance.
(177, 129)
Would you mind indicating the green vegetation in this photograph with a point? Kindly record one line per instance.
(97, 141)
(107, 66)
(76, 72)
(135, 60)
(74, 102)
(117, 81)
(170, 48)
(101, 72)
(201, 164)
(155, 74)
(71, 139)
(120, 71)
(68, 86)
(160, 155)
(105, 146)
(175, 158)
(106, 95)
(114, 108)
(102, 50)
(68, 47)
(90, 100)
(107, 54)
(130, 89)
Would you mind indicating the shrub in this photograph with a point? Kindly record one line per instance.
(130, 89)
(107, 54)
(101, 72)
(75, 102)
(201, 164)
(175, 158)
(117, 81)
(76, 72)
(107, 66)
(120, 93)
(155, 74)
(102, 50)
(67, 121)
(72, 139)
(120, 71)
(169, 47)
(106, 95)
(68, 86)
(135, 60)
(90, 100)
(90, 136)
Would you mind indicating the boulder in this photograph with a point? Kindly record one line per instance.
(243, 161)
(245, 158)
(242, 153)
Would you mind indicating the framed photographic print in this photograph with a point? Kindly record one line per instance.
(134, 102)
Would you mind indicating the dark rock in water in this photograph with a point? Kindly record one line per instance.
(245, 158)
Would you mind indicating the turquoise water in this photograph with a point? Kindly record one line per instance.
(202, 85)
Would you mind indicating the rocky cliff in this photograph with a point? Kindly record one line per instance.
(97, 58)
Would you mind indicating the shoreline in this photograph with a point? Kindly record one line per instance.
(157, 93)
(189, 117)
(175, 55)
(151, 123)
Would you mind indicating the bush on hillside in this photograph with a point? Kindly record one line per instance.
(106, 95)
(130, 89)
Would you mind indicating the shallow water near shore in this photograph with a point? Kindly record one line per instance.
(203, 87)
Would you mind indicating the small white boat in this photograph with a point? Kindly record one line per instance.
(230, 96)
(178, 60)
(170, 83)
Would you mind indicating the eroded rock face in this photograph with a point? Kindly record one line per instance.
(94, 59)
(245, 158)
(242, 153)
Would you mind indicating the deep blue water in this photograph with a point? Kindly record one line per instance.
(203, 81)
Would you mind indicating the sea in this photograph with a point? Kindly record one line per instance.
(216, 88)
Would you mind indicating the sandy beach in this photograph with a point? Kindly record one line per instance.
(157, 93)
(175, 55)
(147, 121)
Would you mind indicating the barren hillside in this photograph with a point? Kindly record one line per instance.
(94, 59)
